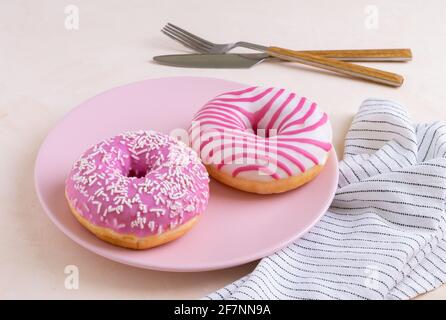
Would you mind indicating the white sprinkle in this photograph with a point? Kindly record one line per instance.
(158, 211)
(143, 207)
(92, 179)
(138, 222)
(176, 196)
(99, 205)
(173, 224)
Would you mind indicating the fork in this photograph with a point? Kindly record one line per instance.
(305, 57)
(204, 46)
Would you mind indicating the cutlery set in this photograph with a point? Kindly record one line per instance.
(213, 55)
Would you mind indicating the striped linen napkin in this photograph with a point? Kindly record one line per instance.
(384, 234)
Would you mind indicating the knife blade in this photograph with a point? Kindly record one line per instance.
(227, 60)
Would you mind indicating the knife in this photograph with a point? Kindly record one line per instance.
(247, 60)
(227, 60)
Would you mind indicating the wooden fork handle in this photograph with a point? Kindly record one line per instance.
(364, 54)
(354, 70)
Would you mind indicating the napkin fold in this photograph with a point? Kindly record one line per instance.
(384, 235)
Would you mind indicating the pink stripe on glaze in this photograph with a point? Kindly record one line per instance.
(303, 119)
(240, 92)
(303, 152)
(217, 117)
(243, 112)
(227, 112)
(262, 112)
(261, 146)
(231, 116)
(253, 156)
(279, 111)
(292, 113)
(253, 167)
(323, 145)
(222, 125)
(245, 99)
(318, 124)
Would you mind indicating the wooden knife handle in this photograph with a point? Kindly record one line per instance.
(354, 70)
(364, 54)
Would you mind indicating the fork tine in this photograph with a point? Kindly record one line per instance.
(187, 38)
(184, 43)
(190, 41)
(204, 42)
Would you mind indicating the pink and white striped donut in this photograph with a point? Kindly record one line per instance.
(262, 140)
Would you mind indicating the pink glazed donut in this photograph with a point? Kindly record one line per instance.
(262, 140)
(138, 189)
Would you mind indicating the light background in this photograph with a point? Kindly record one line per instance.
(46, 70)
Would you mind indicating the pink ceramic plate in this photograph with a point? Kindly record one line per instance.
(237, 227)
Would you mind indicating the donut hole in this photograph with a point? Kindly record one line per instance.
(262, 132)
(260, 129)
(137, 170)
(132, 173)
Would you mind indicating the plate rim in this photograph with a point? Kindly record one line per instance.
(150, 266)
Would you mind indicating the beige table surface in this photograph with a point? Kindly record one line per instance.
(46, 70)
